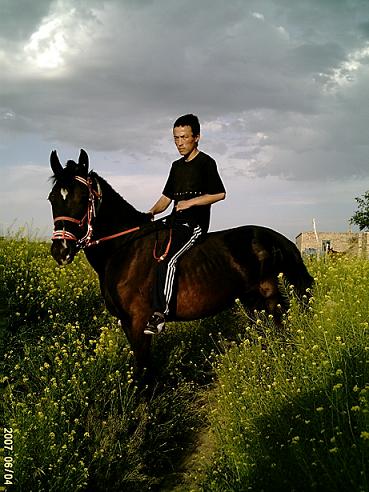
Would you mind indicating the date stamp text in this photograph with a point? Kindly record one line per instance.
(8, 447)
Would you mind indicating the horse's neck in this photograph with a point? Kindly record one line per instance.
(114, 214)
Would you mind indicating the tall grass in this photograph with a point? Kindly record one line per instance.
(79, 420)
(271, 411)
(293, 413)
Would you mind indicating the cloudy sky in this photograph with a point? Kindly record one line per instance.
(281, 88)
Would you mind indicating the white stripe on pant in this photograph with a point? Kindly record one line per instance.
(169, 280)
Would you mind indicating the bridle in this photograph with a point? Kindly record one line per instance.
(86, 241)
(87, 218)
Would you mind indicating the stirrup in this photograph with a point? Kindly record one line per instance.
(155, 325)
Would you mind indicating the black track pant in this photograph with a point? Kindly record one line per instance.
(184, 236)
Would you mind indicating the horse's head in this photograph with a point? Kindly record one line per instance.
(69, 200)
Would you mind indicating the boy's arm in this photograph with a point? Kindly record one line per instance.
(200, 200)
(161, 205)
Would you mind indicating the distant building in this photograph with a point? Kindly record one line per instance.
(351, 243)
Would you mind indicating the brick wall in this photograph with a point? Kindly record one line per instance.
(352, 243)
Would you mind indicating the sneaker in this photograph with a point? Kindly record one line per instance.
(155, 325)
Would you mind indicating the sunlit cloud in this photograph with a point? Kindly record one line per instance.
(47, 46)
(60, 35)
(6, 114)
(259, 16)
(346, 72)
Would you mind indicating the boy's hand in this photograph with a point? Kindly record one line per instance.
(183, 205)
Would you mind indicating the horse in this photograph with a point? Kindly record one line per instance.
(119, 242)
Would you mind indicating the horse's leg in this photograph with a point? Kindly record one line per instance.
(140, 345)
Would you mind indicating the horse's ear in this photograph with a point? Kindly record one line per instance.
(83, 159)
(55, 163)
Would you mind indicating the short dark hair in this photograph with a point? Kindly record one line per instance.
(189, 120)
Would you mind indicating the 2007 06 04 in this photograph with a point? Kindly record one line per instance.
(8, 460)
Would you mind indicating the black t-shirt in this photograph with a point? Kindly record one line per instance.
(191, 179)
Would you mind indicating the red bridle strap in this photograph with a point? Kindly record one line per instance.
(70, 219)
(113, 236)
(82, 180)
(86, 241)
(66, 235)
(63, 234)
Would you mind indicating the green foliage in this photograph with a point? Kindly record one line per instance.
(42, 296)
(79, 420)
(361, 216)
(293, 413)
(255, 408)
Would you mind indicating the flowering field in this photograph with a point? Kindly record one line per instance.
(68, 393)
(293, 413)
(235, 407)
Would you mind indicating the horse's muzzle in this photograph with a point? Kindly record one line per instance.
(63, 251)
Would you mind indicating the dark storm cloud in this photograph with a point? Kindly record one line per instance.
(271, 75)
(18, 18)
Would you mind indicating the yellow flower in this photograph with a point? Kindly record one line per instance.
(337, 386)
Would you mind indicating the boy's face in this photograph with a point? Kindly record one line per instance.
(185, 142)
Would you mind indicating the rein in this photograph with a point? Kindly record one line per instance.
(113, 236)
(86, 241)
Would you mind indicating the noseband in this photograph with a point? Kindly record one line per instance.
(88, 217)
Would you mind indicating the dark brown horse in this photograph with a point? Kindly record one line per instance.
(118, 241)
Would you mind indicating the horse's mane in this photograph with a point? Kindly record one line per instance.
(121, 206)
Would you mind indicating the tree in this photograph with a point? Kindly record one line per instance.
(361, 216)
